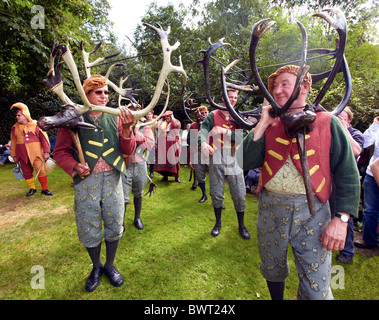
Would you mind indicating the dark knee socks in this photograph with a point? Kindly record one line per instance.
(276, 289)
(111, 252)
(202, 187)
(94, 254)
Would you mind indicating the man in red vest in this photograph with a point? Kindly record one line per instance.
(217, 139)
(283, 213)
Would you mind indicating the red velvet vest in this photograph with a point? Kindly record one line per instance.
(279, 147)
(219, 120)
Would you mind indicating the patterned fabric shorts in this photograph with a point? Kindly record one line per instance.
(285, 220)
(99, 199)
(135, 180)
(224, 167)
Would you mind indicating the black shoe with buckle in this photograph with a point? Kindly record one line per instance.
(31, 192)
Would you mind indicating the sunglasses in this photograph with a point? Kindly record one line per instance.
(99, 92)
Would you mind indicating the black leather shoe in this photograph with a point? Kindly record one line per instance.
(165, 178)
(244, 233)
(114, 276)
(31, 192)
(203, 199)
(94, 278)
(194, 185)
(138, 223)
(216, 230)
(47, 192)
(178, 180)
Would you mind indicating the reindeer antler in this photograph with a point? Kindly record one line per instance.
(54, 81)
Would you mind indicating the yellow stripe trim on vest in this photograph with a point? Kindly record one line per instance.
(92, 155)
(275, 154)
(116, 161)
(319, 188)
(106, 140)
(314, 169)
(282, 141)
(108, 152)
(267, 168)
(227, 127)
(307, 136)
(309, 153)
(95, 143)
(123, 166)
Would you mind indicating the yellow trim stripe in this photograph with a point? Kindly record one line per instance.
(123, 166)
(105, 140)
(95, 143)
(275, 154)
(92, 155)
(219, 140)
(309, 153)
(227, 127)
(116, 161)
(268, 168)
(319, 188)
(108, 152)
(307, 136)
(282, 141)
(314, 169)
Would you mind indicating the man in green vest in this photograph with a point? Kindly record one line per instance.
(99, 198)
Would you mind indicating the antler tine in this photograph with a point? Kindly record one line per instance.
(167, 68)
(240, 121)
(163, 110)
(88, 65)
(54, 78)
(205, 62)
(128, 93)
(348, 88)
(301, 73)
(340, 25)
(257, 32)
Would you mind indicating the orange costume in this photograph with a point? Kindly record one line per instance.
(29, 143)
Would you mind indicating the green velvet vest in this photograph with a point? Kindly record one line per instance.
(101, 142)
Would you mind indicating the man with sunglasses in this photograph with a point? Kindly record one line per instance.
(99, 198)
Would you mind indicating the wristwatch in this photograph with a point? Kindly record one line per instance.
(342, 217)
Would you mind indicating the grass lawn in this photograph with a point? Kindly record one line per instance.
(173, 258)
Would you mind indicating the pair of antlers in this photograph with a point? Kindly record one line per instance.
(55, 83)
(258, 30)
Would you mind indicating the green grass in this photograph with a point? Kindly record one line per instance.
(173, 258)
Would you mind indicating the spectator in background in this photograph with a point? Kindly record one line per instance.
(356, 140)
(371, 192)
(6, 153)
